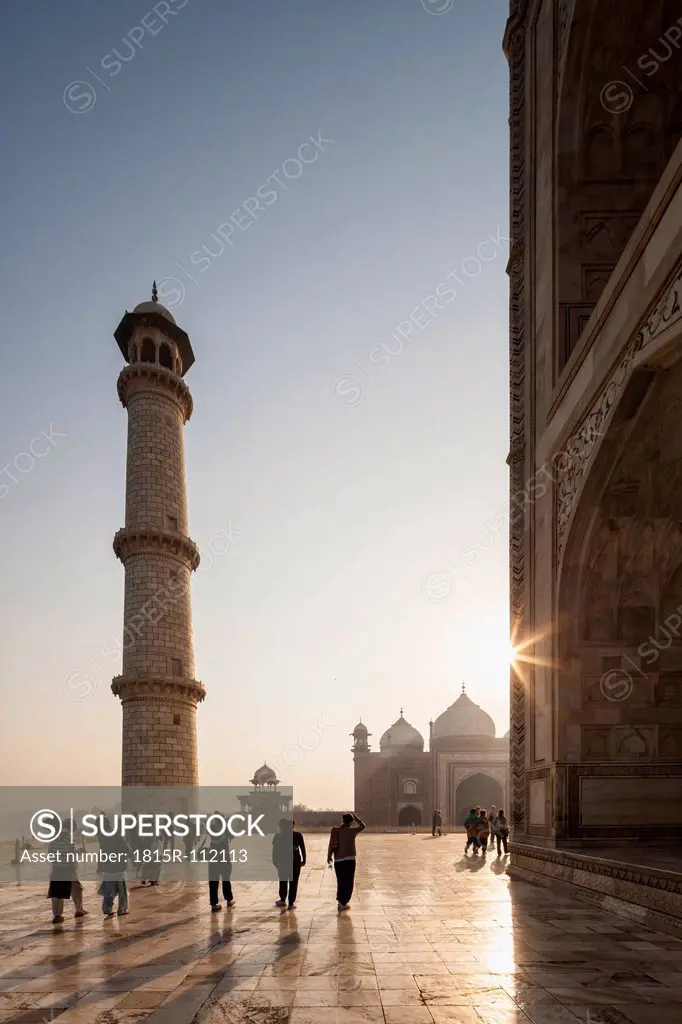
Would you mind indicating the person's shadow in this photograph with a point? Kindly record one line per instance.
(470, 863)
(499, 865)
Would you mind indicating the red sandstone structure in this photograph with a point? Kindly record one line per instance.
(401, 784)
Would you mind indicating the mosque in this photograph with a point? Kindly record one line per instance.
(401, 784)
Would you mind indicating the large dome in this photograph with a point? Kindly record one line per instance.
(401, 736)
(463, 718)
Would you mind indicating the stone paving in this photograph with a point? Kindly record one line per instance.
(431, 939)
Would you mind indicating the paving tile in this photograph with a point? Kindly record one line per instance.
(465, 947)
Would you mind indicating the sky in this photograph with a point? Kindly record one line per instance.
(346, 455)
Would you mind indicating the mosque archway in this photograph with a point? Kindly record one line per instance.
(478, 790)
(409, 816)
(619, 698)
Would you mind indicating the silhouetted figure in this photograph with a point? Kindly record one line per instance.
(501, 832)
(471, 826)
(114, 853)
(483, 830)
(287, 842)
(64, 882)
(342, 848)
(217, 855)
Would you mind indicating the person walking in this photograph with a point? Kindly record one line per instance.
(289, 872)
(342, 849)
(437, 823)
(64, 881)
(219, 867)
(501, 832)
(483, 830)
(471, 826)
(114, 853)
(492, 815)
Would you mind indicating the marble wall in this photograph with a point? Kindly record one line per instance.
(596, 391)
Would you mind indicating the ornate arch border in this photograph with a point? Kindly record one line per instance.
(458, 774)
(580, 450)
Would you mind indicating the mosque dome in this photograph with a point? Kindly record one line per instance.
(401, 736)
(463, 718)
(264, 776)
(154, 307)
(360, 730)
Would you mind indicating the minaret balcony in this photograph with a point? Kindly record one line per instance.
(137, 540)
(126, 688)
(140, 377)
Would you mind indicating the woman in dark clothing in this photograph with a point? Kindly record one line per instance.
(288, 872)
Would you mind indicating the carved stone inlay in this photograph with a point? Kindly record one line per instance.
(574, 461)
(653, 877)
(665, 313)
(564, 16)
(515, 49)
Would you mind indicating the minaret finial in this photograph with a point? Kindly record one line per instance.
(401, 712)
(155, 294)
(464, 688)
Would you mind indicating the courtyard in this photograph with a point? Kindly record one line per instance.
(431, 939)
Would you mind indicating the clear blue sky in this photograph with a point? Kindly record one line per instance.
(323, 609)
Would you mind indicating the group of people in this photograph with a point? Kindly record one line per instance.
(483, 827)
(288, 857)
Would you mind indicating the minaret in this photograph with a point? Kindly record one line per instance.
(362, 772)
(157, 687)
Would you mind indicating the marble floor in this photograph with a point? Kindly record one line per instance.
(431, 939)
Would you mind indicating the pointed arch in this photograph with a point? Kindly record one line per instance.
(165, 356)
(148, 351)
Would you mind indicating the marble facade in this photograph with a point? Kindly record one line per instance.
(596, 452)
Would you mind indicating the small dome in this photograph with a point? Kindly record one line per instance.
(264, 776)
(360, 730)
(401, 736)
(154, 307)
(463, 718)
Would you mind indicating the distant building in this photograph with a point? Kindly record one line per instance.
(401, 784)
(266, 797)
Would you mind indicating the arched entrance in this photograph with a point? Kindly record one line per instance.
(478, 790)
(620, 642)
(409, 817)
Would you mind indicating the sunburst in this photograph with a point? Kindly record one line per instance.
(524, 652)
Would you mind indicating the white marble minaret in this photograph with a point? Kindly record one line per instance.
(157, 687)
